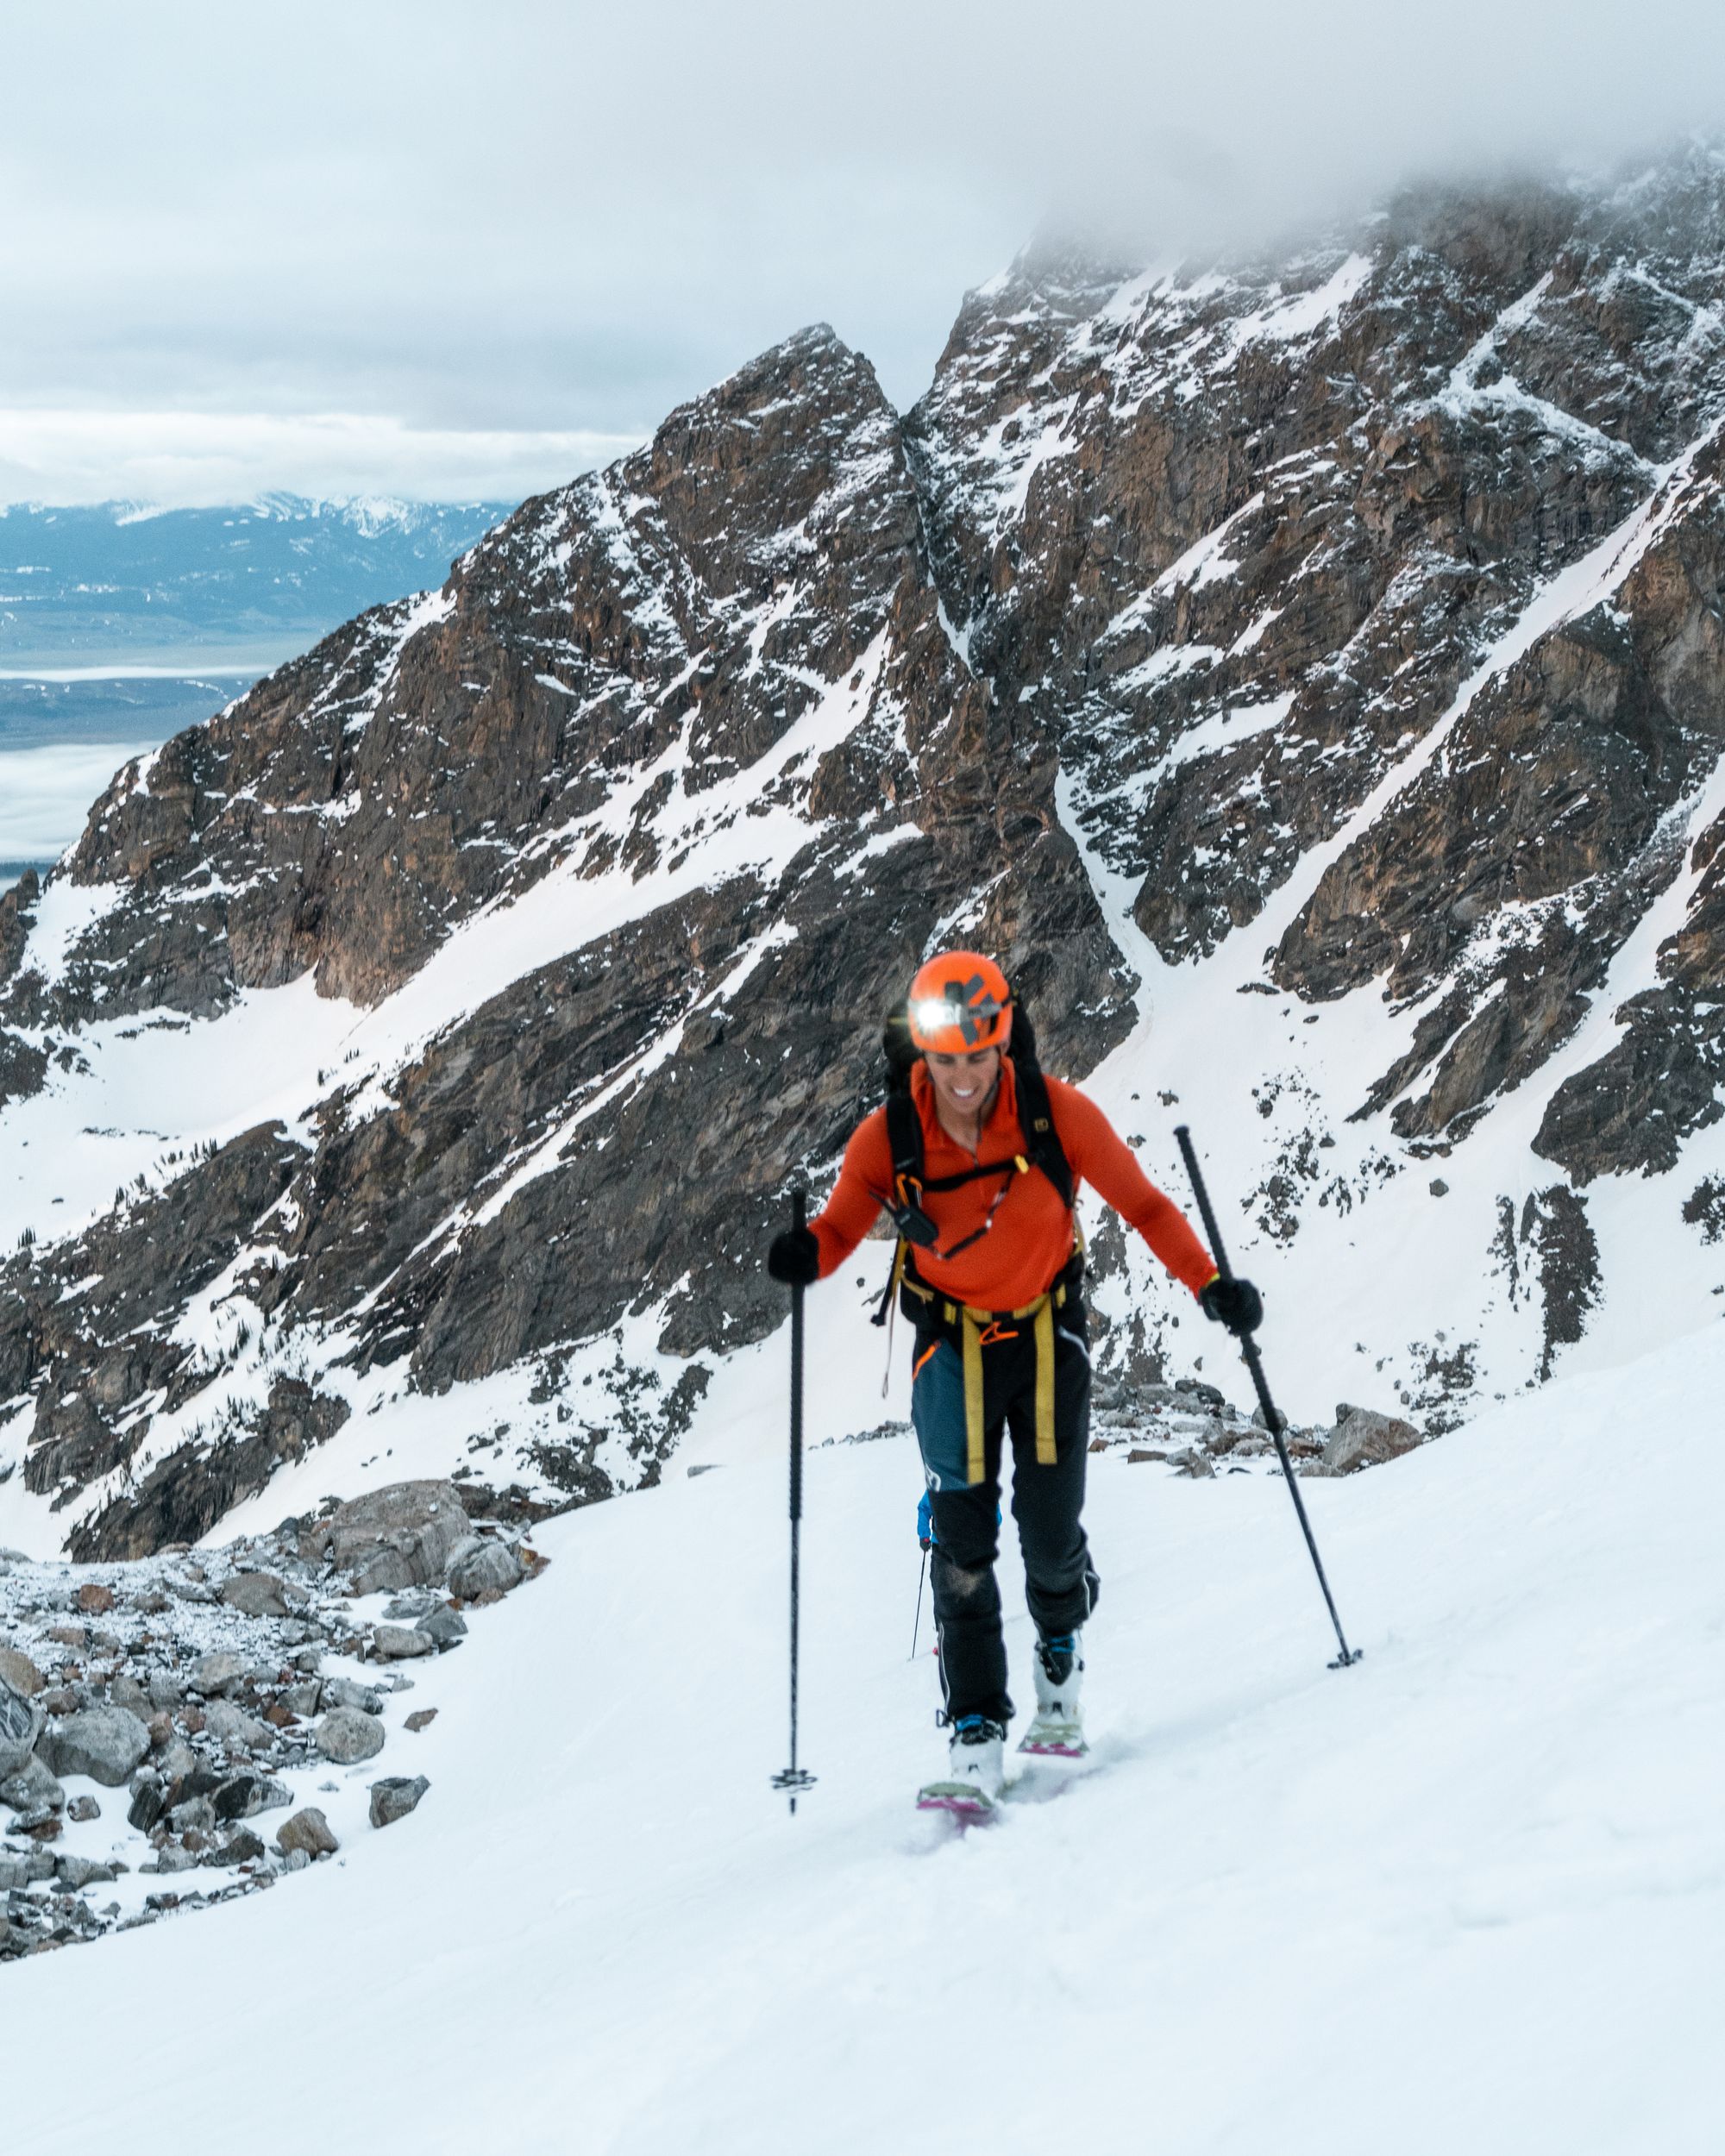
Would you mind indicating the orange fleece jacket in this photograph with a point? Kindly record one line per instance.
(1031, 1235)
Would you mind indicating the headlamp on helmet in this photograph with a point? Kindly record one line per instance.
(960, 1002)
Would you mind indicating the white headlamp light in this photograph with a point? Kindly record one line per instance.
(929, 1013)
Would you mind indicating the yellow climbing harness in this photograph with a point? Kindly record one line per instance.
(977, 1329)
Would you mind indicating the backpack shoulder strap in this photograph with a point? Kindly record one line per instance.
(904, 1135)
(1042, 1140)
(1036, 1112)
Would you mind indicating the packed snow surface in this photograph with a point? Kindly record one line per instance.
(1466, 1895)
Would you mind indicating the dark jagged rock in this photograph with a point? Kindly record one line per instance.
(184, 1495)
(1556, 1228)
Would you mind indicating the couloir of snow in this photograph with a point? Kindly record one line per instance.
(1464, 1895)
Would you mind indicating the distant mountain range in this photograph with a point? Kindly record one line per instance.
(122, 584)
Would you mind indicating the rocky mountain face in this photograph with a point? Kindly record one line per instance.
(1331, 641)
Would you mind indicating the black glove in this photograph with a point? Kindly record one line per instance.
(1234, 1303)
(794, 1257)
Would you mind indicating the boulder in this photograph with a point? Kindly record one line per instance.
(20, 1673)
(106, 1743)
(146, 1807)
(397, 1643)
(18, 1873)
(95, 1600)
(176, 1761)
(395, 1796)
(342, 1691)
(216, 1673)
(245, 1848)
(255, 1595)
(82, 1809)
(421, 1719)
(247, 1795)
(443, 1626)
(1364, 1438)
(493, 1568)
(406, 1609)
(20, 1724)
(75, 1873)
(308, 1831)
(234, 1729)
(30, 1787)
(395, 1538)
(349, 1734)
(127, 1692)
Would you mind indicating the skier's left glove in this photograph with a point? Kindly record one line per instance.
(794, 1257)
(1234, 1303)
(926, 1522)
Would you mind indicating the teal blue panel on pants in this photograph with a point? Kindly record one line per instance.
(937, 1411)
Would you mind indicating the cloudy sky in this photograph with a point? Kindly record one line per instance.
(442, 250)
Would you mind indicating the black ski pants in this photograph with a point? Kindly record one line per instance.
(1060, 1584)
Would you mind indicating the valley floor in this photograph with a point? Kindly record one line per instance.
(1466, 1896)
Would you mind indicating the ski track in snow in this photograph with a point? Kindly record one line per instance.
(1466, 1895)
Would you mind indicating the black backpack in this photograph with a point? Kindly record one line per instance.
(1042, 1146)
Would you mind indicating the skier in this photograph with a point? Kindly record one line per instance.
(979, 1164)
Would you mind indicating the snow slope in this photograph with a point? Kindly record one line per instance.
(1467, 1895)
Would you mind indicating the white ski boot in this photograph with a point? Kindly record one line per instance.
(976, 1774)
(1058, 1729)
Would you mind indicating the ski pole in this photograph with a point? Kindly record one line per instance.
(1272, 1415)
(922, 1575)
(794, 1777)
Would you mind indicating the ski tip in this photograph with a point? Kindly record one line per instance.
(966, 1806)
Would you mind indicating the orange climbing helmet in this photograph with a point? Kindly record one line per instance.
(960, 1002)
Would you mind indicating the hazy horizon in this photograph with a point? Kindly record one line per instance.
(405, 253)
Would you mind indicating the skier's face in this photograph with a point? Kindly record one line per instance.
(965, 1084)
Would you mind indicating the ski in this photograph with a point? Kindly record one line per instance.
(961, 1801)
(1054, 1737)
